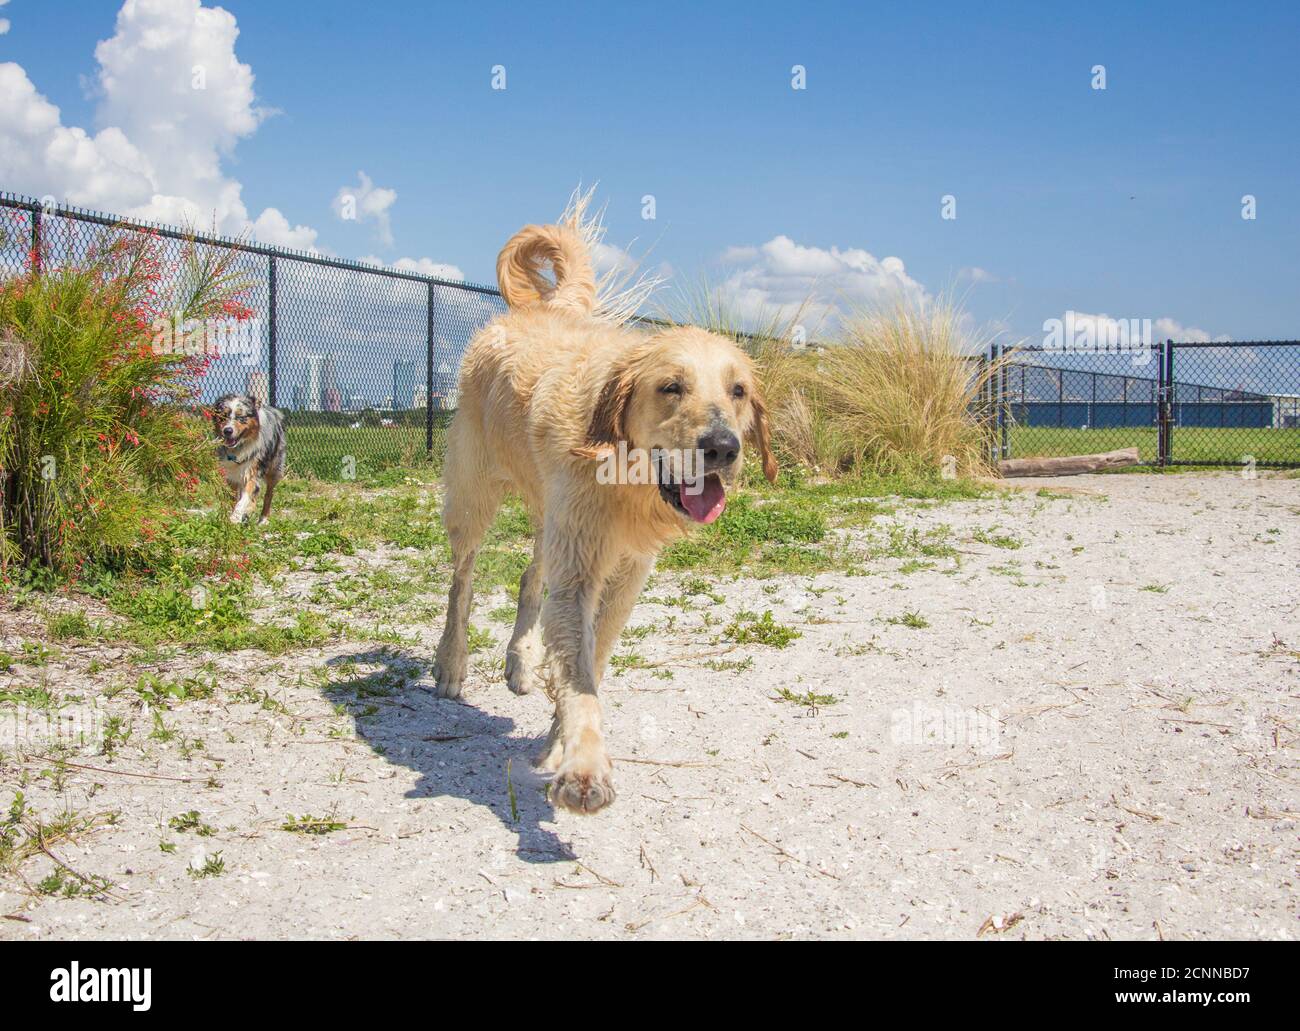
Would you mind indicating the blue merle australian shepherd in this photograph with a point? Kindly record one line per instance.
(250, 448)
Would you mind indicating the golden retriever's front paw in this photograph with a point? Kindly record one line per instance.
(448, 678)
(521, 676)
(583, 786)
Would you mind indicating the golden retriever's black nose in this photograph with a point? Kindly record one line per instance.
(719, 447)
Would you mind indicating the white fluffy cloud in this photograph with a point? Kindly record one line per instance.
(1104, 328)
(776, 278)
(41, 156)
(271, 227)
(1172, 329)
(173, 101)
(4, 22)
(606, 257)
(367, 202)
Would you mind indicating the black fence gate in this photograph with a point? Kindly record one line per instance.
(1179, 403)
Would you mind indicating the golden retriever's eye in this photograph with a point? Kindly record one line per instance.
(738, 390)
(671, 388)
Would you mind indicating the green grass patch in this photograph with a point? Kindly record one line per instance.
(912, 620)
(69, 626)
(191, 821)
(1191, 444)
(997, 540)
(808, 699)
(316, 825)
(748, 628)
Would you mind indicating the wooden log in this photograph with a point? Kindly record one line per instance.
(1069, 465)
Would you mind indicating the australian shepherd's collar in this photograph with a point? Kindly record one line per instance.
(250, 449)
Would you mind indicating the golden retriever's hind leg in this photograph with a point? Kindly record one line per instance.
(472, 500)
(525, 653)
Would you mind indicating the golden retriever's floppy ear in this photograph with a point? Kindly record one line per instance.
(607, 425)
(763, 435)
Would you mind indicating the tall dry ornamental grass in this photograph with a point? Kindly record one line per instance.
(892, 390)
(901, 388)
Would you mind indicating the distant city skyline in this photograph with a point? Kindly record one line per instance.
(319, 387)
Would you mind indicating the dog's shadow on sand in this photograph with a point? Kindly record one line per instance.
(458, 750)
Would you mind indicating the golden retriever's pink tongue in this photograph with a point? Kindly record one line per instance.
(707, 504)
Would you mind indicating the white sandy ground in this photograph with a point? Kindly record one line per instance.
(1121, 762)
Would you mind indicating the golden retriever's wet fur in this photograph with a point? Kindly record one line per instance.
(547, 391)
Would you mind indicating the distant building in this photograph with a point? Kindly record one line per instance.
(309, 397)
(404, 383)
(444, 380)
(1286, 411)
(446, 386)
(329, 382)
(319, 389)
(258, 387)
(420, 399)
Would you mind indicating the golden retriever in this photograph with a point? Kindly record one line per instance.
(617, 441)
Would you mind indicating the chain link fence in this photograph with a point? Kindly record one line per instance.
(1178, 403)
(364, 361)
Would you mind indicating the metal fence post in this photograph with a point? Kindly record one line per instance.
(1171, 415)
(1160, 404)
(428, 375)
(1165, 399)
(987, 414)
(36, 238)
(271, 377)
(995, 417)
(1004, 381)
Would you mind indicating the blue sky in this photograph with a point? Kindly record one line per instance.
(1125, 201)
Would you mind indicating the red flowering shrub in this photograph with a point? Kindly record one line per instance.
(97, 439)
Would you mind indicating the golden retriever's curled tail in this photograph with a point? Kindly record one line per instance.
(520, 264)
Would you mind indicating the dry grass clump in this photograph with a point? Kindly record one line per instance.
(901, 386)
(892, 390)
